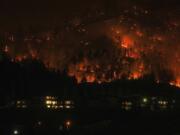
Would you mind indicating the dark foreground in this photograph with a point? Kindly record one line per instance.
(89, 122)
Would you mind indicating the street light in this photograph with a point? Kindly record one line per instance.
(68, 124)
(15, 132)
(145, 100)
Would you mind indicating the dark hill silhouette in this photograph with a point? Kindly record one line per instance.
(30, 78)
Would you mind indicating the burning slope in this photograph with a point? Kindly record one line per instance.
(137, 51)
(132, 45)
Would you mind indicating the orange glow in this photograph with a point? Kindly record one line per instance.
(90, 78)
(33, 54)
(158, 38)
(133, 53)
(19, 58)
(135, 75)
(139, 33)
(175, 83)
(127, 42)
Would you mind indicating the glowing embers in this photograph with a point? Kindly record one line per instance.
(54, 103)
(21, 104)
(139, 33)
(20, 58)
(158, 38)
(127, 42)
(175, 83)
(90, 78)
(130, 47)
(137, 72)
(83, 71)
(132, 53)
(6, 49)
(135, 75)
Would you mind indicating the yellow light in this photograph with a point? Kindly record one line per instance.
(68, 106)
(48, 97)
(54, 102)
(48, 102)
(18, 102)
(145, 100)
(165, 103)
(160, 102)
(67, 102)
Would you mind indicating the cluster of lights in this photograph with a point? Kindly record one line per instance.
(127, 105)
(147, 102)
(163, 102)
(68, 104)
(51, 102)
(67, 124)
(54, 103)
(21, 104)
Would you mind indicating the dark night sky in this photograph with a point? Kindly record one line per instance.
(46, 11)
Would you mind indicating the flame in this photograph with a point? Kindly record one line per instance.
(127, 42)
(134, 51)
(19, 58)
(175, 83)
(139, 33)
(90, 78)
(135, 75)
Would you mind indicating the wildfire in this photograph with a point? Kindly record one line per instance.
(90, 78)
(139, 33)
(127, 42)
(129, 49)
(175, 83)
(20, 58)
(135, 75)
